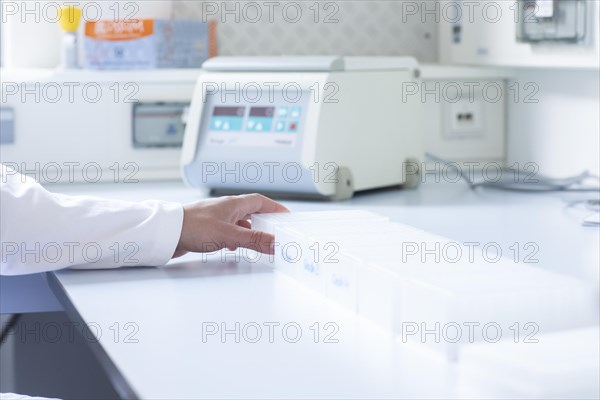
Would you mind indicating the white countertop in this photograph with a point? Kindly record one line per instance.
(172, 306)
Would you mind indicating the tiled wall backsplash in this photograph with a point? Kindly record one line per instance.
(349, 27)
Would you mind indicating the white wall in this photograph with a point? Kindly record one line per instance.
(561, 133)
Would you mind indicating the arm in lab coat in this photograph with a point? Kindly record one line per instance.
(42, 231)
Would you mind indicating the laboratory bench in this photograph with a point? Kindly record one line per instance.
(171, 332)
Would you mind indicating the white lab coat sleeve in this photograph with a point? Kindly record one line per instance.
(14, 396)
(43, 231)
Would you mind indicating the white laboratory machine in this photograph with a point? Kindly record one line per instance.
(318, 127)
(62, 126)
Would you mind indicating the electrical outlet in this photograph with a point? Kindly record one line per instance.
(465, 118)
(464, 125)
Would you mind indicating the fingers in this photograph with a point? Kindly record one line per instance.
(254, 240)
(256, 203)
(244, 224)
(223, 223)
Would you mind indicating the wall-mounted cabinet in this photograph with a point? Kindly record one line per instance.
(520, 33)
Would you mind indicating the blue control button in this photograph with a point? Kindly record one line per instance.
(259, 124)
(293, 126)
(171, 130)
(216, 124)
(295, 113)
(280, 126)
(282, 112)
(226, 124)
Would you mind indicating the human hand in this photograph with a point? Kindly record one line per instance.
(215, 224)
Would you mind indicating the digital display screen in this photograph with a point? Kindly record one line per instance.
(158, 124)
(229, 111)
(261, 124)
(265, 112)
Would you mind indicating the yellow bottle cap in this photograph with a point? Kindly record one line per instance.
(69, 18)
